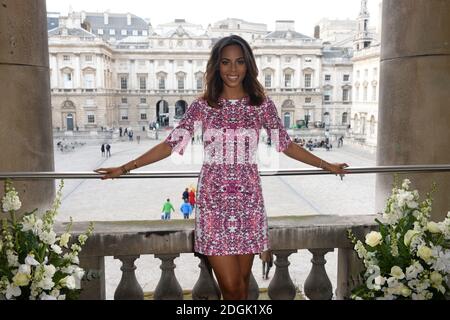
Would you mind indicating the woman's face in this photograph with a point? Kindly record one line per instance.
(232, 67)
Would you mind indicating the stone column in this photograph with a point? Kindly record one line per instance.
(26, 138)
(414, 113)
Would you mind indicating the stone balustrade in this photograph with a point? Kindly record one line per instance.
(127, 240)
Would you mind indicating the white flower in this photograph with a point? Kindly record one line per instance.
(28, 222)
(397, 272)
(49, 270)
(409, 235)
(29, 260)
(24, 268)
(373, 238)
(62, 297)
(21, 279)
(57, 249)
(13, 259)
(45, 296)
(12, 291)
(405, 184)
(11, 201)
(48, 237)
(380, 280)
(413, 270)
(425, 253)
(64, 240)
(68, 282)
(433, 227)
(82, 239)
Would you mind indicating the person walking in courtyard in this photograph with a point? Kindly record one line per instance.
(167, 209)
(102, 149)
(185, 195)
(108, 150)
(230, 220)
(186, 209)
(192, 197)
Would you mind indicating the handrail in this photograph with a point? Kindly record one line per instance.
(193, 174)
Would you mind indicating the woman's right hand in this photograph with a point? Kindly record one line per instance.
(109, 173)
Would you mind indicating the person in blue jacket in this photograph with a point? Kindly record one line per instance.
(186, 209)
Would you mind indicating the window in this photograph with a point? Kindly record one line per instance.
(143, 116)
(307, 80)
(123, 32)
(180, 81)
(162, 83)
(327, 77)
(374, 93)
(89, 102)
(143, 100)
(135, 33)
(365, 94)
(346, 77)
(91, 118)
(123, 114)
(66, 58)
(144, 33)
(375, 73)
(308, 59)
(123, 83)
(269, 59)
(344, 118)
(287, 59)
(268, 80)
(89, 80)
(308, 100)
(100, 31)
(199, 43)
(112, 32)
(199, 83)
(327, 96)
(142, 83)
(287, 80)
(366, 73)
(88, 58)
(345, 95)
(124, 100)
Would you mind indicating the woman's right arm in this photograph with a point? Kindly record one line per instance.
(158, 152)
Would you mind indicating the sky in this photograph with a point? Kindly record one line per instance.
(306, 13)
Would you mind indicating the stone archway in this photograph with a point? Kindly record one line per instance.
(162, 113)
(180, 109)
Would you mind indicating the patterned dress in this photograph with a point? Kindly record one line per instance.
(230, 216)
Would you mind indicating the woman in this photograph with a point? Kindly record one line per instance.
(230, 221)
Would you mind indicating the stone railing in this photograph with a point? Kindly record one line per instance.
(128, 240)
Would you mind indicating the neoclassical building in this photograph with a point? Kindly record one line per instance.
(117, 70)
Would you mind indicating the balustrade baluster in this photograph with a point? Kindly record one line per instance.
(281, 287)
(168, 287)
(206, 287)
(318, 285)
(128, 288)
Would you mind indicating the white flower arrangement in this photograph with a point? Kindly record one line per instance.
(409, 257)
(36, 263)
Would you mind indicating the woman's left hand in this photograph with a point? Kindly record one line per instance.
(337, 168)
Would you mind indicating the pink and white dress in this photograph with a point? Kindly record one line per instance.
(230, 217)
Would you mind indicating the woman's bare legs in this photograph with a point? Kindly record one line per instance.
(233, 274)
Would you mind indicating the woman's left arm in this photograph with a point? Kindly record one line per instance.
(296, 152)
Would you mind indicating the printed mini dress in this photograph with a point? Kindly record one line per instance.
(230, 218)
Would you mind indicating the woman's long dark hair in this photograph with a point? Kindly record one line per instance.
(214, 83)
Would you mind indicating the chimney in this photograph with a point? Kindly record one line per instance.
(105, 18)
(128, 19)
(284, 25)
(317, 32)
